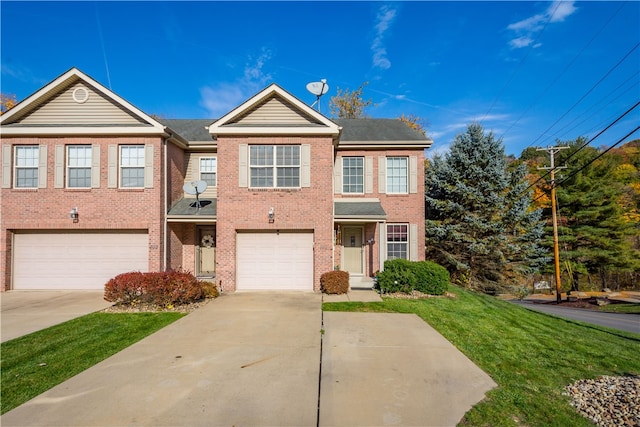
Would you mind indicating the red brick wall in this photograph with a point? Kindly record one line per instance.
(400, 208)
(298, 209)
(99, 208)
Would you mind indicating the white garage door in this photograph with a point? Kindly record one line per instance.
(76, 260)
(282, 261)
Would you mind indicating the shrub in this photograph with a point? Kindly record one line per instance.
(397, 276)
(400, 275)
(159, 288)
(335, 282)
(210, 289)
(431, 278)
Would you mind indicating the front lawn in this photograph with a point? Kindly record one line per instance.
(621, 308)
(531, 356)
(34, 363)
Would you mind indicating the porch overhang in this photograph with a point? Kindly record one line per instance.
(186, 210)
(358, 210)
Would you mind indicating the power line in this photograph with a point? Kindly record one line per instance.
(566, 68)
(599, 155)
(574, 173)
(589, 141)
(588, 92)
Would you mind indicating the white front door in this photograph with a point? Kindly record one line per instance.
(352, 250)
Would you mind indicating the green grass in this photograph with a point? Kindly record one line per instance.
(621, 308)
(34, 363)
(530, 355)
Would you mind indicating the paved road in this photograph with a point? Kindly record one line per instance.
(625, 322)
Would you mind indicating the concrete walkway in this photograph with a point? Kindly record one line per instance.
(24, 312)
(253, 359)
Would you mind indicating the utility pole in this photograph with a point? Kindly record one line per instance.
(556, 251)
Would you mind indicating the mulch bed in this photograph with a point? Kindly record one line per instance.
(153, 308)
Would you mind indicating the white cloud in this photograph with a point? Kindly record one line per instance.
(384, 19)
(222, 97)
(559, 10)
(525, 30)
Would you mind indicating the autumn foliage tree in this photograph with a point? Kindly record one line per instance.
(7, 102)
(348, 104)
(414, 122)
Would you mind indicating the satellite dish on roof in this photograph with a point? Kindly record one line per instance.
(195, 188)
(318, 89)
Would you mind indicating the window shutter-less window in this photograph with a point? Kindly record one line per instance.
(413, 174)
(95, 166)
(243, 154)
(305, 165)
(112, 180)
(148, 166)
(6, 166)
(368, 174)
(42, 167)
(382, 175)
(58, 168)
(413, 242)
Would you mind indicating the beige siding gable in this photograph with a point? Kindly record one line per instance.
(193, 173)
(275, 111)
(79, 104)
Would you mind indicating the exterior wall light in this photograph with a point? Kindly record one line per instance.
(74, 215)
(272, 215)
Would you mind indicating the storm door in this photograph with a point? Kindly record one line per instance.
(352, 250)
(206, 250)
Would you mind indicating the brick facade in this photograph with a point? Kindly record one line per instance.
(308, 209)
(174, 234)
(102, 208)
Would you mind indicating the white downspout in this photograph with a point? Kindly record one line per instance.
(166, 205)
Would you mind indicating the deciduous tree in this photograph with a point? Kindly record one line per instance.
(348, 104)
(7, 102)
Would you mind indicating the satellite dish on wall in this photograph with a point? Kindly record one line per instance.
(195, 188)
(318, 89)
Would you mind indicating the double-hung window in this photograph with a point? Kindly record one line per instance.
(132, 166)
(209, 170)
(274, 166)
(353, 175)
(79, 166)
(26, 166)
(397, 175)
(397, 241)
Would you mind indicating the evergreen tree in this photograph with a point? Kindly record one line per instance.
(479, 223)
(594, 231)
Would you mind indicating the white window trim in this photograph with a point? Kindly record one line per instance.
(387, 175)
(200, 171)
(16, 167)
(120, 167)
(407, 242)
(363, 175)
(68, 167)
(274, 166)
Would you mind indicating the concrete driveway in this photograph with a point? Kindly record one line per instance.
(24, 312)
(254, 359)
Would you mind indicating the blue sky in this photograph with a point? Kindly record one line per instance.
(532, 72)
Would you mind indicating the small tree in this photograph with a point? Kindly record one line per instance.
(415, 123)
(349, 104)
(7, 102)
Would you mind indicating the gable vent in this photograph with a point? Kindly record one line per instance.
(80, 94)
